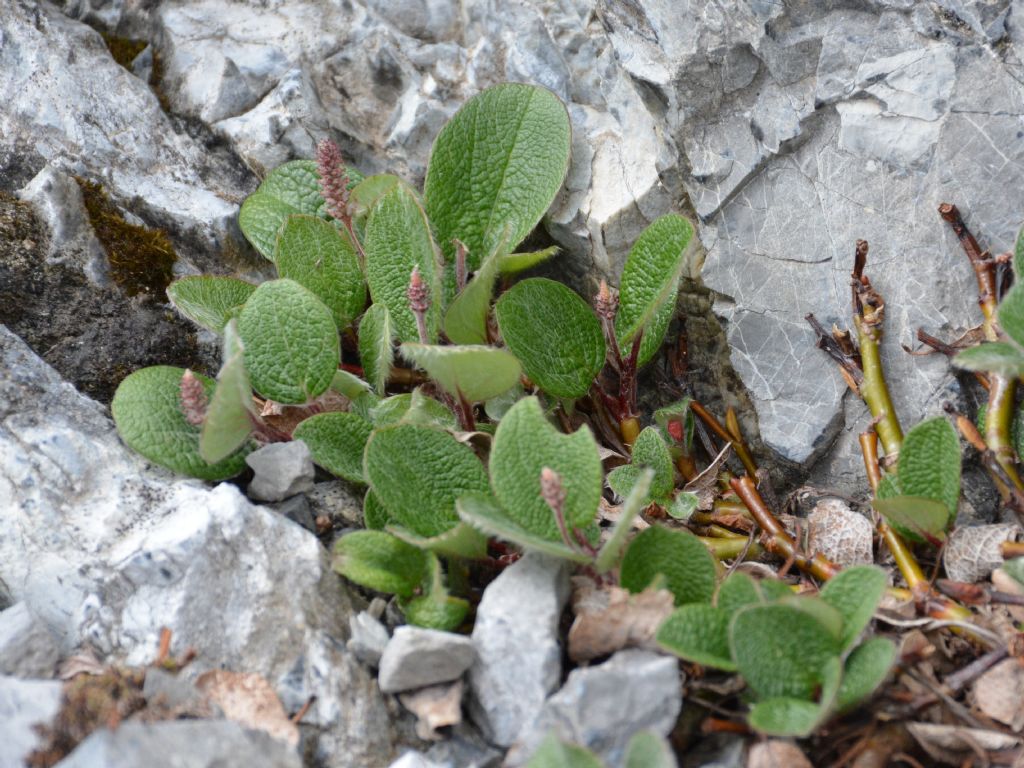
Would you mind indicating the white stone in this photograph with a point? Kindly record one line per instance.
(416, 657)
(23, 705)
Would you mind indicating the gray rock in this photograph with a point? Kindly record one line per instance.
(413, 759)
(24, 704)
(417, 657)
(368, 638)
(281, 470)
(27, 647)
(87, 115)
(296, 509)
(519, 659)
(192, 743)
(464, 748)
(601, 707)
(336, 500)
(106, 551)
(163, 689)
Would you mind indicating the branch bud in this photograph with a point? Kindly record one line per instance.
(606, 303)
(551, 490)
(193, 399)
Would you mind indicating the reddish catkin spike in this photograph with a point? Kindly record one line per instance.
(419, 303)
(551, 490)
(606, 303)
(193, 399)
(333, 179)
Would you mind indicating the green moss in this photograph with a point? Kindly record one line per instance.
(141, 259)
(124, 49)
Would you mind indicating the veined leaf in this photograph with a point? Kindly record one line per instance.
(337, 442)
(418, 473)
(514, 263)
(678, 556)
(650, 280)
(485, 514)
(794, 717)
(380, 561)
(376, 349)
(291, 342)
(435, 609)
(228, 422)
(608, 556)
(498, 162)
(460, 541)
(293, 187)
(412, 408)
(397, 240)
(554, 753)
(698, 633)
(649, 450)
(914, 517)
(208, 300)
(780, 650)
(855, 592)
(524, 444)
(929, 463)
(649, 750)
(465, 322)
(320, 257)
(555, 335)
(995, 356)
(1018, 256)
(349, 385)
(1011, 313)
(866, 669)
(477, 373)
(147, 412)
(375, 517)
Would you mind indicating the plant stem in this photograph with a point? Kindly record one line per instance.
(869, 448)
(998, 418)
(776, 539)
(728, 549)
(716, 426)
(983, 265)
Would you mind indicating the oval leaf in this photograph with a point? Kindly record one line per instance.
(524, 444)
(650, 280)
(228, 421)
(855, 592)
(914, 517)
(994, 356)
(866, 669)
(291, 342)
(485, 514)
(476, 373)
(318, 256)
(208, 300)
(649, 450)
(498, 162)
(382, 562)
(929, 463)
(376, 349)
(337, 442)
(700, 634)
(418, 473)
(1011, 313)
(781, 650)
(676, 555)
(397, 240)
(147, 412)
(555, 335)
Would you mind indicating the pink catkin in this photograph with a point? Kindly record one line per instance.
(193, 399)
(333, 179)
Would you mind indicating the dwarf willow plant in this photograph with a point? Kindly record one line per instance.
(801, 656)
(402, 284)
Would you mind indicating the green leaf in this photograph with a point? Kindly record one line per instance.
(650, 280)
(649, 750)
(827, 616)
(914, 517)
(337, 441)
(465, 322)
(855, 592)
(289, 189)
(442, 612)
(148, 415)
(375, 517)
(785, 717)
(320, 257)
(208, 300)
(995, 356)
(780, 650)
(683, 505)
(514, 263)
(418, 473)
(1018, 256)
(649, 450)
(866, 669)
(654, 333)
(397, 240)
(929, 463)
(1011, 313)
(555, 335)
(291, 342)
(367, 192)
(1015, 568)
(888, 487)
(555, 753)
(485, 514)
(349, 385)
(738, 591)
(474, 372)
(524, 444)
(228, 421)
(677, 418)
(460, 541)
(608, 556)
(679, 556)
(497, 407)
(498, 162)
(376, 349)
(698, 633)
(380, 561)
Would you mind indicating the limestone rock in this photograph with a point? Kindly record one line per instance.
(281, 471)
(27, 647)
(518, 656)
(24, 704)
(417, 657)
(106, 551)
